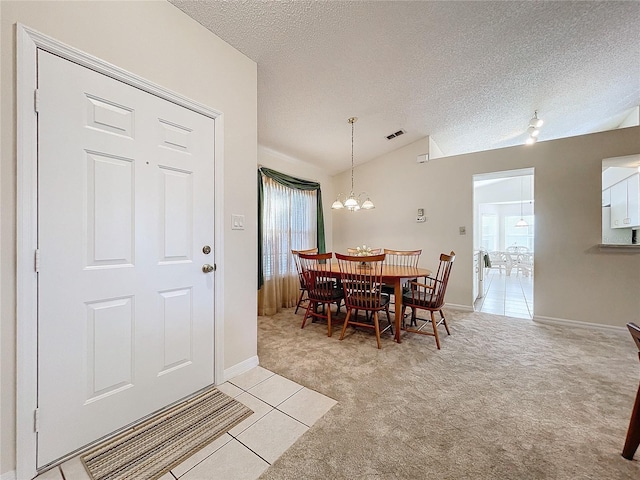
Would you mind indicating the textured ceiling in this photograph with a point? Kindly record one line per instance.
(469, 74)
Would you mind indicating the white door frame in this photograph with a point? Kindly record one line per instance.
(28, 41)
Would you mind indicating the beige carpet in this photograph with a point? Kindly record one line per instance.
(504, 399)
(152, 448)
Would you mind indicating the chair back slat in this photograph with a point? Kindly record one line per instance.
(296, 259)
(317, 276)
(442, 277)
(432, 296)
(402, 258)
(362, 280)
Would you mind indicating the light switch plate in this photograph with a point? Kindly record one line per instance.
(463, 230)
(237, 222)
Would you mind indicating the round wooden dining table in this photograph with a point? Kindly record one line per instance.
(391, 274)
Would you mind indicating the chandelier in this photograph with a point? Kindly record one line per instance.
(522, 222)
(353, 202)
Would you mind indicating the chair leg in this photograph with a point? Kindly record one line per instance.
(404, 308)
(329, 319)
(435, 329)
(346, 322)
(389, 319)
(306, 314)
(299, 301)
(377, 328)
(633, 433)
(444, 321)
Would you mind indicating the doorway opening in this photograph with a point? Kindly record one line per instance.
(504, 241)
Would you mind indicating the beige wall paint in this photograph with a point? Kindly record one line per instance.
(306, 171)
(574, 279)
(156, 41)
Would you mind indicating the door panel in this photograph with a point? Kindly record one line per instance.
(109, 346)
(110, 210)
(125, 204)
(175, 207)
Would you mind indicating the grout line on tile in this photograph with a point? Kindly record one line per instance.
(300, 421)
(255, 453)
(261, 381)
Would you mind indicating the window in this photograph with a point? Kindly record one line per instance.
(521, 236)
(289, 223)
(489, 232)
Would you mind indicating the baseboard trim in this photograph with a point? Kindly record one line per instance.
(464, 308)
(563, 322)
(8, 475)
(237, 369)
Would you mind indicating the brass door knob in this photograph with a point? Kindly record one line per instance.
(206, 268)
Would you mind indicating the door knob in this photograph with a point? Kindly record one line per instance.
(206, 268)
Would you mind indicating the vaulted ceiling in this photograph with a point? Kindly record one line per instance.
(469, 74)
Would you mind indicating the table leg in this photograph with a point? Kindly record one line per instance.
(397, 292)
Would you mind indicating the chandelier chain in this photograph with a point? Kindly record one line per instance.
(353, 202)
(352, 155)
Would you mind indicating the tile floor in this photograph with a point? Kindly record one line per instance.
(510, 295)
(282, 412)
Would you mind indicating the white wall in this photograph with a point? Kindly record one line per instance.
(306, 171)
(158, 42)
(575, 280)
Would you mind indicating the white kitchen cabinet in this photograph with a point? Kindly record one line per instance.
(606, 197)
(625, 203)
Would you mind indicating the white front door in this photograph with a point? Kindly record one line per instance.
(125, 209)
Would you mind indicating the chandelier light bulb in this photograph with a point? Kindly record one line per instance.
(368, 204)
(351, 202)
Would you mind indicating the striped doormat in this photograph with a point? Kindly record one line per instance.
(154, 447)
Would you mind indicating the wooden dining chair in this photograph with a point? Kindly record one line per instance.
(400, 258)
(633, 433)
(303, 287)
(429, 296)
(362, 283)
(322, 290)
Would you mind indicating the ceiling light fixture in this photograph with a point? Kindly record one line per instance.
(534, 129)
(352, 203)
(536, 122)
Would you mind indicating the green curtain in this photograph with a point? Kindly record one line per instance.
(297, 184)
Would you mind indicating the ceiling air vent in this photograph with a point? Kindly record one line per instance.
(395, 134)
